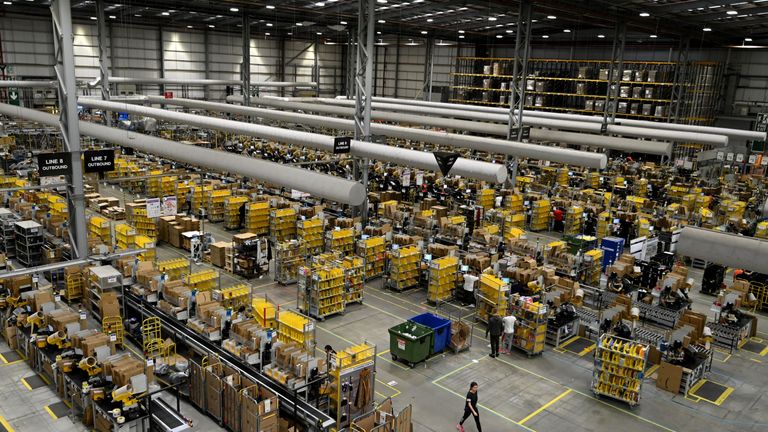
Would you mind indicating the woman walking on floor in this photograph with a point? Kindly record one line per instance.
(470, 408)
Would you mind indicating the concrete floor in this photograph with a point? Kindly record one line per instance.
(545, 393)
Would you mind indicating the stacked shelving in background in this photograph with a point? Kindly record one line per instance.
(492, 293)
(282, 224)
(619, 368)
(354, 279)
(257, 218)
(232, 206)
(310, 233)
(372, 250)
(442, 278)
(404, 268)
(341, 240)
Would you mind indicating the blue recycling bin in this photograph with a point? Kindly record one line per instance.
(440, 326)
(612, 248)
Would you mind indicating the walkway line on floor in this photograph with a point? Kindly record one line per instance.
(6, 425)
(382, 310)
(397, 392)
(545, 406)
(473, 362)
(50, 413)
(338, 336)
(588, 396)
(496, 413)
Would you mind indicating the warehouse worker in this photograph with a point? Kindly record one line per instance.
(189, 202)
(509, 331)
(558, 216)
(468, 296)
(495, 329)
(470, 407)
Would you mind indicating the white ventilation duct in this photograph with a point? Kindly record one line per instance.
(614, 129)
(601, 141)
(518, 149)
(205, 82)
(729, 132)
(319, 185)
(478, 170)
(27, 84)
(729, 250)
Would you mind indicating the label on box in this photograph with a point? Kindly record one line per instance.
(400, 344)
(82, 315)
(112, 279)
(35, 279)
(112, 337)
(150, 362)
(57, 298)
(267, 406)
(309, 326)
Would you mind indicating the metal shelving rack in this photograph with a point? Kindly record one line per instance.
(646, 89)
(619, 368)
(29, 243)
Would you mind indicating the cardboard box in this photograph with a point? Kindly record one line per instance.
(218, 253)
(669, 377)
(90, 343)
(59, 318)
(109, 305)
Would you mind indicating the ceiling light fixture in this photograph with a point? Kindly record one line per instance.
(566, 30)
(320, 4)
(94, 18)
(732, 12)
(430, 20)
(270, 6)
(545, 36)
(343, 22)
(424, 32)
(461, 36)
(653, 36)
(299, 24)
(189, 26)
(748, 39)
(7, 3)
(499, 36)
(601, 36)
(211, 26)
(234, 10)
(510, 31)
(381, 21)
(319, 33)
(269, 24)
(551, 17)
(492, 18)
(112, 17)
(267, 34)
(707, 29)
(461, 31)
(165, 13)
(644, 14)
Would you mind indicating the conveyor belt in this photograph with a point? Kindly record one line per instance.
(312, 417)
(163, 414)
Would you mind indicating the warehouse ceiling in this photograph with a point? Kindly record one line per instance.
(707, 23)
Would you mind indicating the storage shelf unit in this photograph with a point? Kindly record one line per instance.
(530, 328)
(125, 235)
(373, 251)
(442, 278)
(294, 327)
(619, 368)
(310, 234)
(321, 290)
(404, 268)
(100, 280)
(282, 224)
(232, 211)
(354, 279)
(257, 218)
(288, 258)
(645, 89)
(205, 280)
(265, 312)
(492, 293)
(540, 215)
(99, 227)
(232, 297)
(175, 268)
(198, 196)
(573, 220)
(136, 216)
(342, 240)
(7, 232)
(215, 206)
(29, 243)
(486, 198)
(148, 243)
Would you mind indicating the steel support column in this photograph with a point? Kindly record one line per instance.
(103, 57)
(428, 67)
(397, 67)
(363, 81)
(681, 75)
(316, 65)
(161, 57)
(61, 11)
(615, 68)
(281, 65)
(245, 68)
(519, 76)
(206, 65)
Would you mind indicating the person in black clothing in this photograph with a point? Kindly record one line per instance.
(241, 215)
(470, 408)
(495, 328)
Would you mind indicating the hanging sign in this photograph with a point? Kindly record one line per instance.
(98, 161)
(168, 95)
(54, 164)
(13, 96)
(342, 145)
(419, 178)
(739, 157)
(406, 178)
(445, 161)
(720, 156)
(154, 208)
(729, 157)
(170, 206)
(752, 158)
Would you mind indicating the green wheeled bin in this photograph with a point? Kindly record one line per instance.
(410, 342)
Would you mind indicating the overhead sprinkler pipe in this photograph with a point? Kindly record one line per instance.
(206, 82)
(411, 158)
(320, 185)
(553, 123)
(553, 154)
(729, 132)
(541, 135)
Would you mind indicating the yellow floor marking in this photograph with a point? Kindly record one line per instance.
(392, 362)
(338, 336)
(560, 350)
(587, 350)
(725, 359)
(5, 424)
(720, 399)
(23, 381)
(569, 341)
(756, 360)
(4, 360)
(651, 370)
(397, 392)
(692, 398)
(764, 352)
(382, 310)
(50, 413)
(485, 408)
(588, 396)
(458, 369)
(545, 406)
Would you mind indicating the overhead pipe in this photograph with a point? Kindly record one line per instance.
(601, 141)
(463, 167)
(614, 129)
(725, 249)
(518, 149)
(320, 185)
(28, 84)
(729, 132)
(207, 82)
